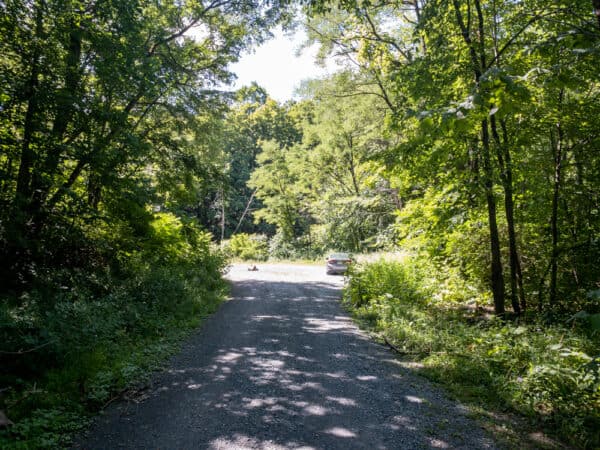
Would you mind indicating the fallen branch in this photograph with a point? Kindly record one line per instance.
(396, 349)
(423, 353)
(22, 352)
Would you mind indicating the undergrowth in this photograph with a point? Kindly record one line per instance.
(549, 373)
(77, 341)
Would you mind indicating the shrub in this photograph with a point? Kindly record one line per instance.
(384, 279)
(550, 373)
(81, 336)
(305, 247)
(248, 247)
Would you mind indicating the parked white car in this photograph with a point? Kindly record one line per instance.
(338, 263)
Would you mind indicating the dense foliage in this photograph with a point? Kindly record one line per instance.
(461, 131)
(248, 247)
(107, 109)
(111, 123)
(67, 350)
(546, 372)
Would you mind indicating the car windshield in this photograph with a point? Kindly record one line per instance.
(339, 256)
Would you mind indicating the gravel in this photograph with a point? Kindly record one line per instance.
(282, 366)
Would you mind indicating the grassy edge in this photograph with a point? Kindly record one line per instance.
(131, 369)
(508, 429)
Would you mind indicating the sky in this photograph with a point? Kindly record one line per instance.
(276, 67)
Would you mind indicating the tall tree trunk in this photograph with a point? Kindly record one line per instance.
(42, 180)
(352, 164)
(504, 163)
(515, 259)
(516, 279)
(57, 196)
(28, 156)
(478, 61)
(94, 190)
(496, 269)
(557, 148)
(14, 271)
(517, 292)
(474, 157)
(245, 211)
(222, 194)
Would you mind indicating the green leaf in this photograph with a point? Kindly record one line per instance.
(594, 320)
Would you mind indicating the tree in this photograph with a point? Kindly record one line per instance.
(459, 89)
(255, 118)
(90, 94)
(325, 191)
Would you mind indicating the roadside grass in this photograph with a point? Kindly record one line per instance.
(48, 411)
(96, 349)
(390, 256)
(548, 375)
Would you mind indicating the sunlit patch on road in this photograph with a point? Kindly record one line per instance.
(413, 399)
(289, 370)
(341, 432)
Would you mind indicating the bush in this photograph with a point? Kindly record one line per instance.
(550, 373)
(307, 247)
(248, 247)
(381, 279)
(81, 336)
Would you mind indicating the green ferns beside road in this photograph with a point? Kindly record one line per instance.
(549, 373)
(73, 344)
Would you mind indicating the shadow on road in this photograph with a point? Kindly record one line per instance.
(282, 366)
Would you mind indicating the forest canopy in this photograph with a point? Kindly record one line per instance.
(463, 133)
(461, 130)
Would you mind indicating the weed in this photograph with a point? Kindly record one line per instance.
(68, 351)
(545, 372)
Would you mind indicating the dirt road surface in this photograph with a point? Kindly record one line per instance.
(282, 366)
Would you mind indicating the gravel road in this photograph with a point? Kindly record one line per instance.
(281, 366)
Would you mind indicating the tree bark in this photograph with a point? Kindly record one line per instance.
(222, 215)
(245, 211)
(515, 258)
(496, 269)
(352, 165)
(66, 98)
(478, 61)
(503, 154)
(67, 184)
(94, 190)
(517, 296)
(28, 156)
(557, 149)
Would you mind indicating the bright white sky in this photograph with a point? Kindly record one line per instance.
(275, 66)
